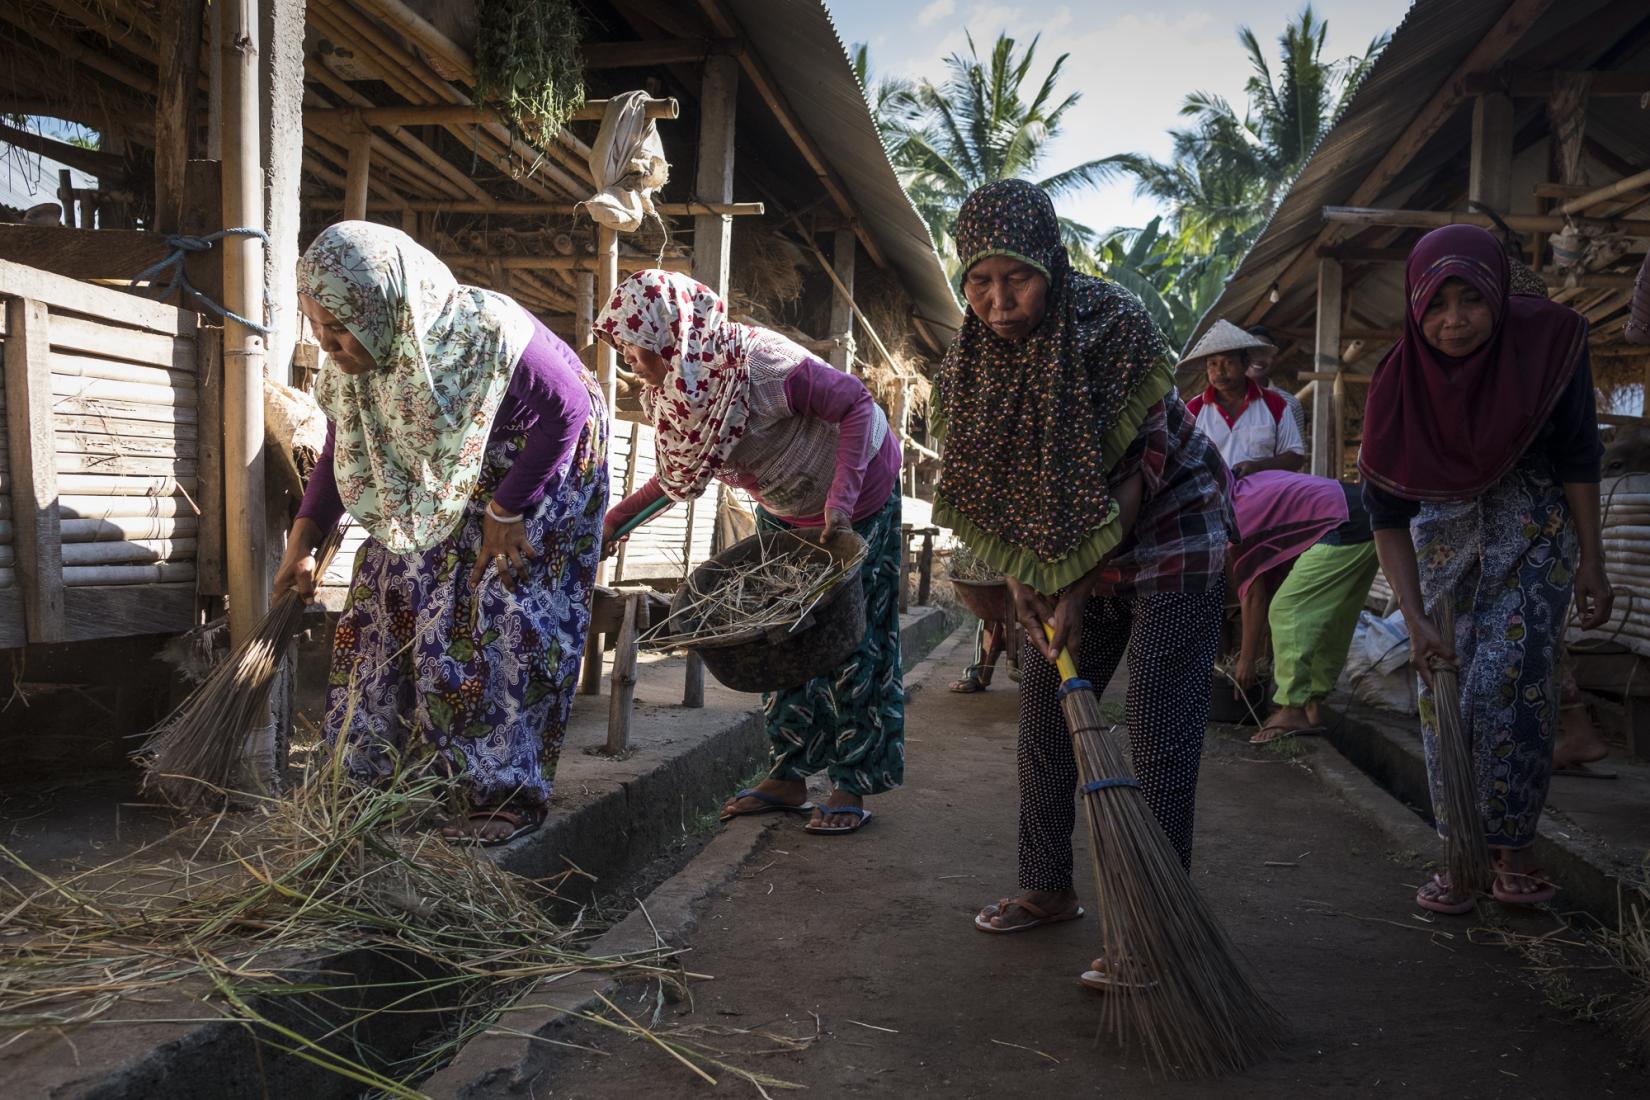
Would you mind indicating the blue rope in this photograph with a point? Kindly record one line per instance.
(1102, 784)
(183, 244)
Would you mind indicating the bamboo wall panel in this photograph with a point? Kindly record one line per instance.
(119, 414)
(1627, 562)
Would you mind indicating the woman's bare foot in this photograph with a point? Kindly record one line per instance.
(1011, 913)
(1578, 741)
(1516, 874)
(1283, 722)
(790, 791)
(484, 826)
(824, 819)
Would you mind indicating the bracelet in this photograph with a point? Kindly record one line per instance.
(496, 518)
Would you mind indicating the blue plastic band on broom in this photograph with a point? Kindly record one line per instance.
(1103, 784)
(1071, 685)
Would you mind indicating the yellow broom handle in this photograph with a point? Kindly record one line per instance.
(1067, 666)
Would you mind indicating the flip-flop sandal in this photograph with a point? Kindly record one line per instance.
(838, 830)
(1107, 982)
(1041, 917)
(1280, 734)
(521, 824)
(1544, 893)
(770, 805)
(1438, 904)
(968, 685)
(1584, 771)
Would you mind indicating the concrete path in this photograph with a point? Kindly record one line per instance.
(871, 935)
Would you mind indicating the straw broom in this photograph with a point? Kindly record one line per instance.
(195, 755)
(1465, 851)
(1179, 989)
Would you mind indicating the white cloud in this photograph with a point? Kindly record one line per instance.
(936, 11)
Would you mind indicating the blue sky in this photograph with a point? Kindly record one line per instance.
(1132, 62)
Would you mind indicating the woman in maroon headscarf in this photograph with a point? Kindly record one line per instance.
(1481, 466)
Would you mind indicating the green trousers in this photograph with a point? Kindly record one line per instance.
(1313, 618)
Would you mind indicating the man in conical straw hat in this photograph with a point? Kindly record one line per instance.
(1250, 426)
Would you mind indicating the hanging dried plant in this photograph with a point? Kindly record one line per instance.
(528, 63)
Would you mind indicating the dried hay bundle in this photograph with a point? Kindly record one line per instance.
(195, 755)
(965, 565)
(766, 272)
(226, 921)
(775, 590)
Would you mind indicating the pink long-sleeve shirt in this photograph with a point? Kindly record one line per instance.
(861, 478)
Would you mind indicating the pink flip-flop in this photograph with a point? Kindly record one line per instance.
(1437, 904)
(1545, 893)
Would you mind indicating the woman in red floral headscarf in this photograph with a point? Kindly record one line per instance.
(749, 407)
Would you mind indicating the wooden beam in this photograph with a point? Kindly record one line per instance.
(568, 209)
(103, 254)
(174, 110)
(37, 537)
(1523, 84)
(1514, 23)
(1364, 254)
(457, 114)
(568, 263)
(768, 88)
(1432, 219)
(1638, 182)
(356, 175)
(1327, 358)
(90, 161)
(645, 54)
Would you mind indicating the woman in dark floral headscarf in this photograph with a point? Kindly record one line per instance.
(1072, 466)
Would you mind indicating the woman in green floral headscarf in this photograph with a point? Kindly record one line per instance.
(1072, 466)
(471, 444)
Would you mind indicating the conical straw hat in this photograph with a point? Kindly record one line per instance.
(1223, 336)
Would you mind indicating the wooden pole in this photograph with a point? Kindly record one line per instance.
(243, 348)
(842, 300)
(360, 168)
(1623, 186)
(622, 698)
(1489, 176)
(465, 114)
(281, 71)
(718, 108)
(1432, 219)
(563, 209)
(606, 282)
(1327, 357)
(37, 535)
(174, 110)
(629, 487)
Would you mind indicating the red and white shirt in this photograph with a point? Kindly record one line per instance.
(1262, 428)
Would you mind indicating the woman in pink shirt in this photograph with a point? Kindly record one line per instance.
(752, 408)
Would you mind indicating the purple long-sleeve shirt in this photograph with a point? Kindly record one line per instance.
(860, 483)
(546, 395)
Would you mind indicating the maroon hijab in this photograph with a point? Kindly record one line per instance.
(1441, 428)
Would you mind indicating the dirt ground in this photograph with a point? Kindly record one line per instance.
(873, 934)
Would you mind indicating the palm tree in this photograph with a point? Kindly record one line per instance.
(1228, 172)
(978, 127)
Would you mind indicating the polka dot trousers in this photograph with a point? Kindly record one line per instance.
(1170, 638)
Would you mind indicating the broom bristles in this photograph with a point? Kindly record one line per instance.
(1463, 821)
(1200, 1014)
(195, 755)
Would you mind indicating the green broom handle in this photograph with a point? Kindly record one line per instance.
(641, 517)
(1067, 666)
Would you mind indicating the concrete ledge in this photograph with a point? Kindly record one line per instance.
(1387, 748)
(609, 817)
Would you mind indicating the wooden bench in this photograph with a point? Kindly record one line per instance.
(618, 617)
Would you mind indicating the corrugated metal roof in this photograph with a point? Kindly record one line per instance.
(1433, 40)
(799, 45)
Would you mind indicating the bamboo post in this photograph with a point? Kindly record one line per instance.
(359, 171)
(1489, 175)
(622, 701)
(65, 199)
(590, 677)
(693, 690)
(629, 487)
(243, 348)
(1327, 358)
(842, 300)
(281, 68)
(904, 567)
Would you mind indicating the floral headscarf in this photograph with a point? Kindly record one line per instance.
(410, 435)
(701, 411)
(1034, 428)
